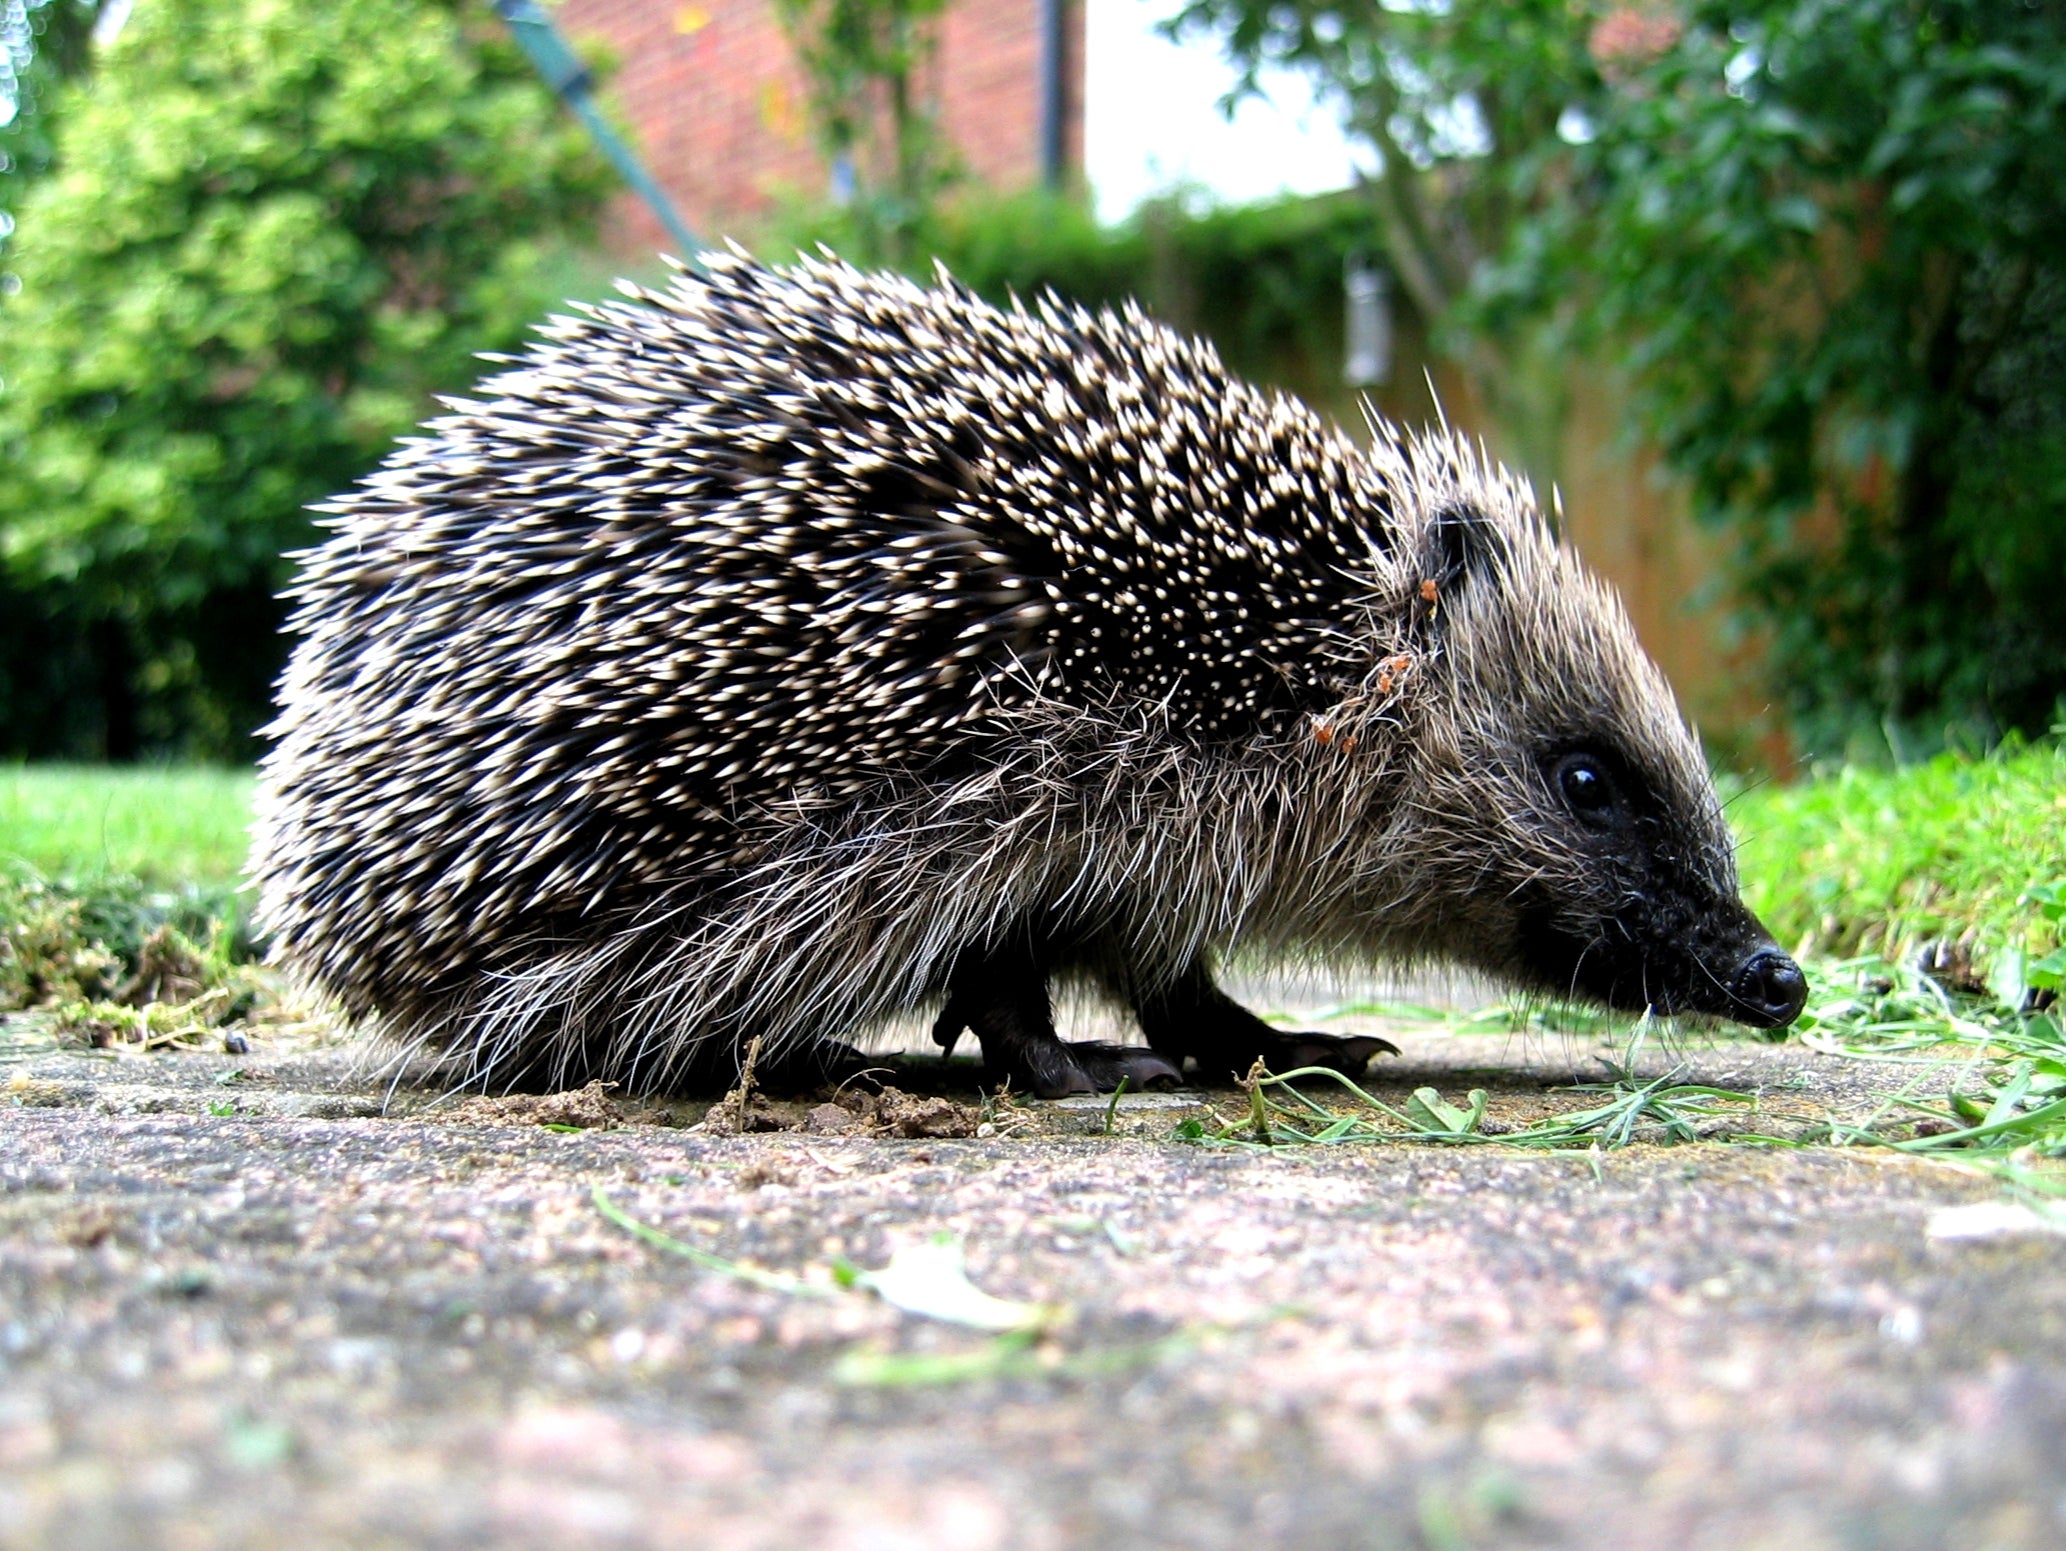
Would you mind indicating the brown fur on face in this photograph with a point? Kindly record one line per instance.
(1534, 665)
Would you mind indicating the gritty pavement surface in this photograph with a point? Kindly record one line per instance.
(266, 1301)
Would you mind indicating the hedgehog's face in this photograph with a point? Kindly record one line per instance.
(1574, 810)
(1648, 917)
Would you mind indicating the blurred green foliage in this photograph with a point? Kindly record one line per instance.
(43, 43)
(1828, 237)
(1837, 234)
(93, 939)
(273, 231)
(1460, 104)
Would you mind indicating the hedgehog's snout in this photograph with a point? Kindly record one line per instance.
(1769, 990)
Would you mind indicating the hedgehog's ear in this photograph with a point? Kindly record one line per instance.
(1462, 544)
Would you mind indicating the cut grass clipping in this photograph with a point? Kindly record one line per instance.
(1279, 1113)
(1929, 903)
(118, 907)
(1993, 1057)
(150, 965)
(1993, 1046)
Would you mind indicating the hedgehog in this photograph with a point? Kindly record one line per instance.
(777, 651)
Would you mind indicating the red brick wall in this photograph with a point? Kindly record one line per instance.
(718, 111)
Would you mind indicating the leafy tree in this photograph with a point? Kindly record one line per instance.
(272, 232)
(1461, 101)
(1830, 236)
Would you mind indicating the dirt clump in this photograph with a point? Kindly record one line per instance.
(586, 1109)
(834, 1120)
(893, 1112)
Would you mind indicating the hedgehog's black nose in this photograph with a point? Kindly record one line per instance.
(1770, 989)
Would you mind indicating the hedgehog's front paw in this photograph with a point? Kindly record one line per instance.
(1349, 1054)
(1138, 1067)
(1052, 1069)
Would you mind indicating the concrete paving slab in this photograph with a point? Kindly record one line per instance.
(265, 1301)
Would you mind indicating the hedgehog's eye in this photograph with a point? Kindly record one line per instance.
(1586, 788)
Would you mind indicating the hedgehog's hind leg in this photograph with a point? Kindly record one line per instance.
(1194, 1017)
(1001, 997)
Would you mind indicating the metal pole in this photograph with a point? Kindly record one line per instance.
(1054, 47)
(574, 85)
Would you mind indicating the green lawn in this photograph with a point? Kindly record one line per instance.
(166, 825)
(1880, 861)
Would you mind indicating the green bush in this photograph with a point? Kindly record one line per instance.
(43, 43)
(273, 231)
(1836, 235)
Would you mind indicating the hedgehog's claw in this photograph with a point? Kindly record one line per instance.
(1349, 1054)
(1107, 1066)
(1191, 1017)
(949, 1026)
(1054, 1069)
(1002, 999)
